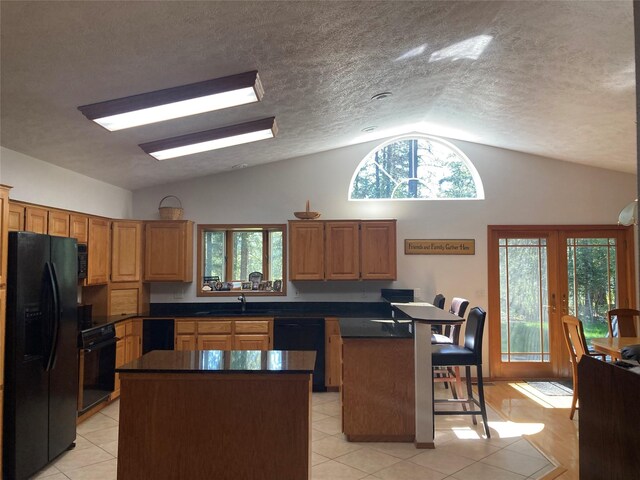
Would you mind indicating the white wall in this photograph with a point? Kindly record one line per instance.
(36, 181)
(519, 189)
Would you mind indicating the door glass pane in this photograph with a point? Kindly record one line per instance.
(592, 289)
(524, 314)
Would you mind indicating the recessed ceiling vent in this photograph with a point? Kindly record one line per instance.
(380, 96)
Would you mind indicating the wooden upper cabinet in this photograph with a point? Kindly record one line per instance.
(168, 251)
(79, 227)
(306, 250)
(126, 251)
(342, 250)
(342, 247)
(378, 250)
(36, 219)
(98, 249)
(58, 223)
(16, 217)
(4, 246)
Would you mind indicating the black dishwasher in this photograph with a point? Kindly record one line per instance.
(157, 334)
(302, 334)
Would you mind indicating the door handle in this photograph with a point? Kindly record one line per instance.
(564, 304)
(553, 303)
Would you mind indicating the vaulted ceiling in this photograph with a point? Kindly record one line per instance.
(550, 78)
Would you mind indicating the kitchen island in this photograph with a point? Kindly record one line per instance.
(216, 414)
(387, 386)
(378, 401)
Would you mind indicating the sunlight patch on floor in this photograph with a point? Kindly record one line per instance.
(546, 401)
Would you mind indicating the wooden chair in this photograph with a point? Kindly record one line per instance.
(624, 324)
(577, 346)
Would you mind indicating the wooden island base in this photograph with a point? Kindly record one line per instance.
(378, 399)
(207, 426)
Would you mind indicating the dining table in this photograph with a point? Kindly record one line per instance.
(612, 346)
(424, 315)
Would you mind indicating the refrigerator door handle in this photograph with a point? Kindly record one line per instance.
(56, 316)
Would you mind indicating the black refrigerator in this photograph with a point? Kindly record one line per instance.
(41, 353)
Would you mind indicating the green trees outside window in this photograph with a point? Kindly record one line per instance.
(229, 254)
(417, 167)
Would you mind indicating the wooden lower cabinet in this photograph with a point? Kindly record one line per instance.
(333, 353)
(120, 356)
(214, 342)
(251, 333)
(186, 342)
(251, 342)
(134, 334)
(128, 347)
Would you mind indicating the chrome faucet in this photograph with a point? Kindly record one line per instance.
(243, 302)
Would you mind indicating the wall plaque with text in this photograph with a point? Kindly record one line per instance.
(439, 247)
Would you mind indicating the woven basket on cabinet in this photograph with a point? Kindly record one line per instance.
(170, 213)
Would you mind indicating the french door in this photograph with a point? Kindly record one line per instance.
(537, 274)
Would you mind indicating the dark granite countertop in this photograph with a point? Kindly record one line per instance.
(298, 310)
(427, 313)
(375, 328)
(273, 309)
(221, 362)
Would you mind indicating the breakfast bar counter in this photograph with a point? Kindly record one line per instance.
(216, 414)
(387, 391)
(377, 383)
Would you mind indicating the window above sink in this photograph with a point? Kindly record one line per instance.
(243, 258)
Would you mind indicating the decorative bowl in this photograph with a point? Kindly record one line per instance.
(307, 215)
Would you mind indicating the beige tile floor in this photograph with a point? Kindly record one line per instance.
(462, 453)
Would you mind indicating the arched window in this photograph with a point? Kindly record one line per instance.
(416, 167)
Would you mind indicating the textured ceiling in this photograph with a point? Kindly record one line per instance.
(550, 78)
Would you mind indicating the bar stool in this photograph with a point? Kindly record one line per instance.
(451, 335)
(467, 355)
(438, 301)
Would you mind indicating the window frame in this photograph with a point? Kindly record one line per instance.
(229, 229)
(477, 180)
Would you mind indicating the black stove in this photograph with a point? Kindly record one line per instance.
(93, 329)
(96, 334)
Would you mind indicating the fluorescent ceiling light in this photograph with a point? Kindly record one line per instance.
(211, 139)
(176, 102)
